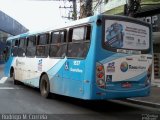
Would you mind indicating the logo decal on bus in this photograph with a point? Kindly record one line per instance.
(108, 78)
(66, 66)
(124, 66)
(111, 67)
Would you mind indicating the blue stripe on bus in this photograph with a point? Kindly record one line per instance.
(8, 66)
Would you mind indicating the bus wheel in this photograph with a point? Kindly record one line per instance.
(45, 86)
(16, 82)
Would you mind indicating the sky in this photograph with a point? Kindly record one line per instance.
(34, 15)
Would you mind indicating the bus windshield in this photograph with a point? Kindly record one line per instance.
(122, 35)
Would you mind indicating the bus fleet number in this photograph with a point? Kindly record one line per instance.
(76, 63)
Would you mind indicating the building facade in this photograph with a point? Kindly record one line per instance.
(149, 11)
(8, 27)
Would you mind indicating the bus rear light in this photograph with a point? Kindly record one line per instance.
(101, 83)
(100, 76)
(100, 68)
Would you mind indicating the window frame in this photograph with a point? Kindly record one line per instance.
(84, 41)
(83, 37)
(29, 56)
(43, 45)
(25, 45)
(61, 43)
(16, 43)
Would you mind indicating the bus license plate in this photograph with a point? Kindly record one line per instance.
(126, 85)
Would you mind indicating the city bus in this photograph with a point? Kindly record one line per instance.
(95, 58)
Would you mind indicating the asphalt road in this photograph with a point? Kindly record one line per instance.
(21, 99)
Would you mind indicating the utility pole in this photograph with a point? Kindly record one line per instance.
(74, 10)
(131, 7)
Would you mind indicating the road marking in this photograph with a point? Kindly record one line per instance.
(3, 80)
(8, 88)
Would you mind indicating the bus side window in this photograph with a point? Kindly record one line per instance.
(58, 45)
(16, 43)
(31, 46)
(22, 47)
(78, 34)
(55, 38)
(79, 41)
(88, 33)
(42, 48)
(87, 41)
(14, 51)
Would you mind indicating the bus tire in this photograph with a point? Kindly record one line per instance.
(11, 72)
(16, 82)
(45, 86)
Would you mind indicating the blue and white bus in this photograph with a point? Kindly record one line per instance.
(99, 57)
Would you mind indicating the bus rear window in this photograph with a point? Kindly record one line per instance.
(126, 35)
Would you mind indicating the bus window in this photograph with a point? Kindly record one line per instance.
(14, 50)
(22, 47)
(43, 39)
(79, 42)
(88, 33)
(31, 46)
(58, 45)
(58, 37)
(74, 50)
(78, 34)
(13, 43)
(16, 43)
(55, 37)
(42, 48)
(63, 36)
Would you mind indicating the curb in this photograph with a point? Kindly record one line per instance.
(144, 103)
